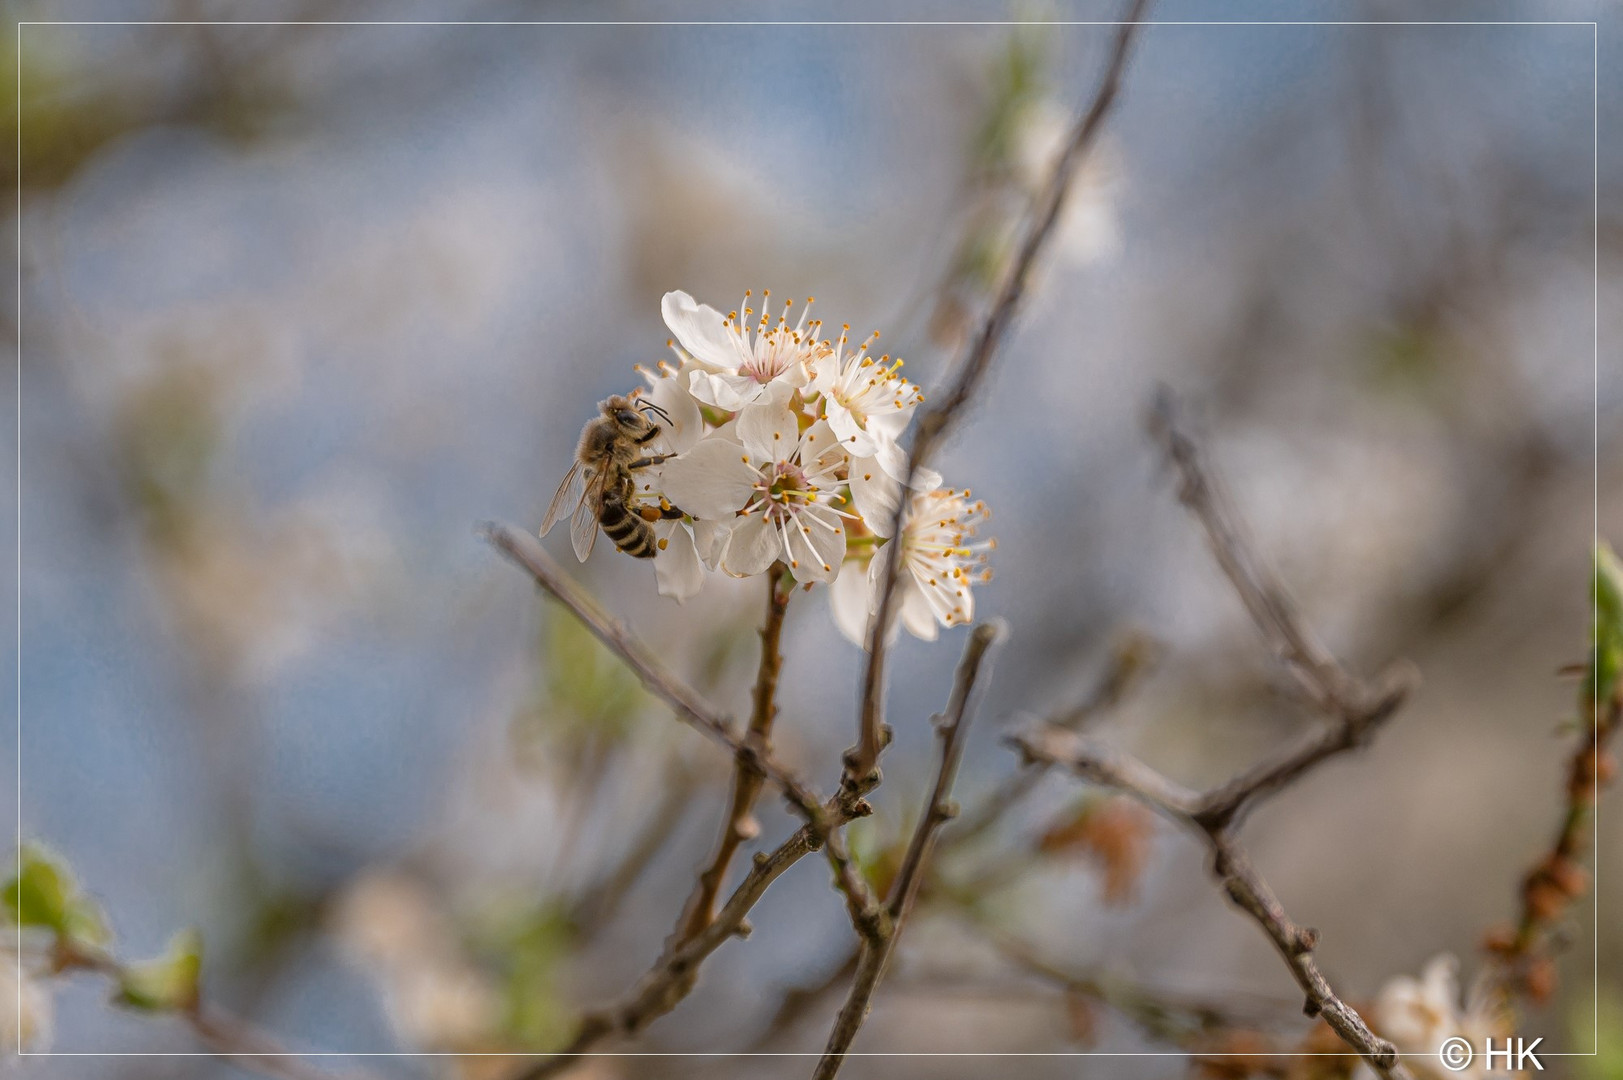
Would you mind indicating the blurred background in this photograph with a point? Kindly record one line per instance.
(302, 304)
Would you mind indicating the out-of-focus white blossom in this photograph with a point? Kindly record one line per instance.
(435, 998)
(25, 1006)
(1088, 230)
(1420, 1015)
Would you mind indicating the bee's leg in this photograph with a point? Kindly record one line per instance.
(663, 512)
(648, 436)
(651, 459)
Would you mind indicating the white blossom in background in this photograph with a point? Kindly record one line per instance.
(780, 446)
(1088, 230)
(390, 926)
(25, 1006)
(1420, 1015)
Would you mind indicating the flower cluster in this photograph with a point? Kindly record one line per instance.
(783, 446)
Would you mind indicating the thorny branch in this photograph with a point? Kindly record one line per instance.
(225, 1035)
(740, 826)
(879, 936)
(1355, 711)
(938, 418)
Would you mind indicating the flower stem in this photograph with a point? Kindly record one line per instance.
(740, 824)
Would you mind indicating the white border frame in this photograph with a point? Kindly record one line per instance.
(1147, 24)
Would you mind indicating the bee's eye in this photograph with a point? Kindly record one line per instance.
(628, 417)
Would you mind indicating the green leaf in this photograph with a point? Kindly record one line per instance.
(168, 983)
(1606, 651)
(44, 894)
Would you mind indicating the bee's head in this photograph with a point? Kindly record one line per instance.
(623, 411)
(631, 414)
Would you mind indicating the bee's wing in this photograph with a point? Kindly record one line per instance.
(571, 491)
(583, 526)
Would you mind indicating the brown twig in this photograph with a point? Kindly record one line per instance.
(1132, 658)
(526, 551)
(225, 1035)
(1288, 636)
(823, 823)
(879, 938)
(937, 419)
(672, 977)
(740, 825)
(1180, 1019)
(1355, 711)
(1523, 954)
(1232, 868)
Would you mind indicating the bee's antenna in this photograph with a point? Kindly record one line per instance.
(649, 406)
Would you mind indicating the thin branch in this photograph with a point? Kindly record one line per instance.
(223, 1034)
(740, 825)
(1233, 871)
(1270, 607)
(1179, 1019)
(823, 823)
(880, 939)
(526, 551)
(1355, 711)
(673, 976)
(1132, 658)
(935, 421)
(1523, 954)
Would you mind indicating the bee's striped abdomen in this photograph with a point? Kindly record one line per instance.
(630, 533)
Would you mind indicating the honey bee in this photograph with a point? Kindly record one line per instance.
(600, 485)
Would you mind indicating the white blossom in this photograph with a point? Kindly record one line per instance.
(866, 401)
(1420, 1015)
(777, 446)
(25, 1006)
(1088, 230)
(678, 571)
(940, 561)
(740, 356)
(773, 488)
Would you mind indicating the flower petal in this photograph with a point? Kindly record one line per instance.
(670, 393)
(701, 330)
(824, 534)
(849, 595)
(768, 427)
(916, 613)
(724, 389)
(754, 546)
(875, 493)
(711, 538)
(677, 569)
(710, 481)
